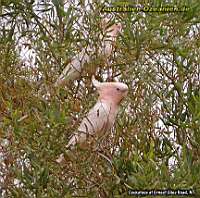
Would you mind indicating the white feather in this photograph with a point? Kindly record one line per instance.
(99, 120)
(73, 70)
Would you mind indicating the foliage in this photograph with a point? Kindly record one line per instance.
(155, 143)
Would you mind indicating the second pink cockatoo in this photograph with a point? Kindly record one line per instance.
(74, 69)
(102, 116)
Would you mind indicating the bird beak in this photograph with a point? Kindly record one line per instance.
(125, 89)
(124, 92)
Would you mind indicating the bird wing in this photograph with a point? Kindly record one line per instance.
(99, 119)
(73, 70)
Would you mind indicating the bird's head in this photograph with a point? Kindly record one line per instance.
(111, 30)
(114, 30)
(113, 92)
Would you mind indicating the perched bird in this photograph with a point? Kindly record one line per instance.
(73, 70)
(110, 37)
(102, 116)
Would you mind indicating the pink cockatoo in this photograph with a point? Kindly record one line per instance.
(102, 116)
(73, 70)
(110, 37)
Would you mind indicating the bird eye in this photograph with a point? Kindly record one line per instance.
(117, 89)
